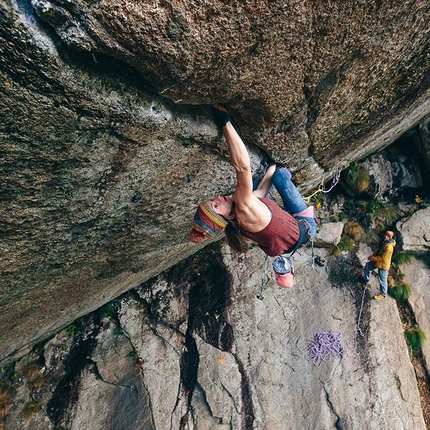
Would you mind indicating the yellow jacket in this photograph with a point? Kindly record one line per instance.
(382, 258)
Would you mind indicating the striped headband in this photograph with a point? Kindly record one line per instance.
(207, 222)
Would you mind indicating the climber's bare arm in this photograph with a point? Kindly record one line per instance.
(251, 212)
(265, 184)
(242, 165)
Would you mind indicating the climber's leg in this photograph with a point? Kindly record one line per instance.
(368, 269)
(291, 197)
(383, 281)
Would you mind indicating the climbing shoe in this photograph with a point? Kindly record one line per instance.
(221, 115)
(379, 297)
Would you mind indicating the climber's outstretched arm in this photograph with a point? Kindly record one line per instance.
(252, 214)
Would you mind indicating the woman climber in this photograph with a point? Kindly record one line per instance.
(248, 213)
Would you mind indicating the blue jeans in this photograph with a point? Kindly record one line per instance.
(291, 197)
(382, 276)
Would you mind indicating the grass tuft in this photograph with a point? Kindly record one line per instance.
(415, 337)
(39, 381)
(361, 180)
(371, 237)
(398, 277)
(354, 230)
(383, 216)
(31, 370)
(403, 258)
(31, 409)
(346, 243)
(5, 403)
(400, 293)
(334, 250)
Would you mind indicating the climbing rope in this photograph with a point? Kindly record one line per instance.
(263, 279)
(313, 254)
(326, 345)
(323, 347)
(334, 182)
(361, 310)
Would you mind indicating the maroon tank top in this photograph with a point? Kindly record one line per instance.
(280, 235)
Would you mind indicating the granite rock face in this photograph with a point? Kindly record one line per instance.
(108, 144)
(321, 78)
(195, 348)
(415, 231)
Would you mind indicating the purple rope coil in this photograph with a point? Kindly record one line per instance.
(324, 346)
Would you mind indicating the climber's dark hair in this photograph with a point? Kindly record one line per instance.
(237, 242)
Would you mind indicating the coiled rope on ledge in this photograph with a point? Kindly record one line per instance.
(323, 347)
(328, 344)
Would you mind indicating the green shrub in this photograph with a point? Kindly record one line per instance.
(70, 330)
(373, 206)
(10, 373)
(415, 337)
(317, 202)
(403, 258)
(400, 293)
(75, 328)
(346, 243)
(110, 310)
(350, 207)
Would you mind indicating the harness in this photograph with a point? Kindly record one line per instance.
(304, 239)
(305, 235)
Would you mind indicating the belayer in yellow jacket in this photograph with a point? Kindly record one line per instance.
(381, 260)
